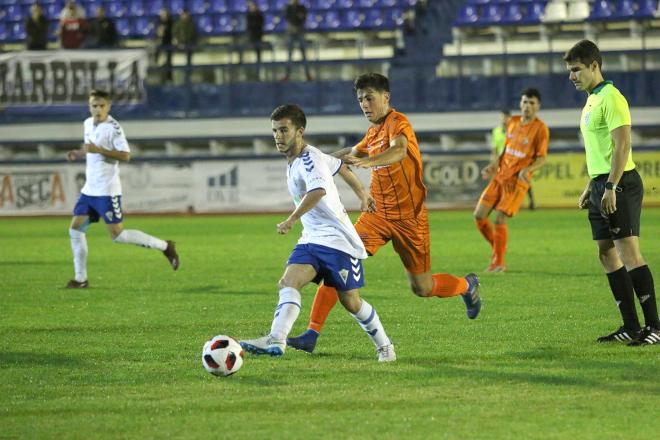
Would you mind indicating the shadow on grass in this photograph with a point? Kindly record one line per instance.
(8, 359)
(219, 290)
(33, 263)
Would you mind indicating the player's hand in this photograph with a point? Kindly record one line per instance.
(361, 162)
(608, 202)
(368, 204)
(524, 175)
(72, 155)
(285, 226)
(488, 171)
(583, 200)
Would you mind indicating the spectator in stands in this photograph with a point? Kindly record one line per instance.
(102, 31)
(296, 15)
(72, 26)
(185, 35)
(164, 33)
(255, 31)
(36, 29)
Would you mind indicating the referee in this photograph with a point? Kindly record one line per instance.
(613, 195)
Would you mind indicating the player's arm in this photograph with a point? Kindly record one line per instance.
(394, 154)
(622, 146)
(489, 170)
(123, 156)
(526, 172)
(367, 203)
(310, 200)
(75, 154)
(583, 200)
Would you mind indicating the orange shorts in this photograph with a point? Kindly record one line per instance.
(410, 238)
(505, 197)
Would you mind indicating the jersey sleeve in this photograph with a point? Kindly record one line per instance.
(333, 163)
(399, 126)
(315, 171)
(118, 139)
(542, 140)
(362, 146)
(616, 111)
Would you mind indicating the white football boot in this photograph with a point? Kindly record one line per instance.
(264, 345)
(386, 353)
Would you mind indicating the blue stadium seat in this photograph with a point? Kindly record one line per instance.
(387, 3)
(468, 15)
(513, 13)
(4, 31)
(198, 7)
(136, 8)
(395, 17)
(647, 8)
(18, 32)
(366, 3)
(115, 9)
(491, 14)
(602, 10)
(123, 26)
(331, 21)
(278, 5)
(14, 13)
(375, 18)
(625, 9)
(535, 12)
(91, 7)
(223, 24)
(314, 20)
(52, 10)
(353, 19)
(176, 6)
(238, 6)
(263, 5)
(53, 27)
(324, 4)
(144, 27)
(346, 4)
(219, 6)
(153, 7)
(204, 24)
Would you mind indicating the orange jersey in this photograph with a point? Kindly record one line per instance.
(398, 188)
(524, 143)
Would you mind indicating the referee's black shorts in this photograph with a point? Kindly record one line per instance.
(624, 222)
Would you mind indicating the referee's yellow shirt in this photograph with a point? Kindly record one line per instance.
(605, 110)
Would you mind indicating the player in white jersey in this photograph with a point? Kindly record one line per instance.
(329, 249)
(104, 147)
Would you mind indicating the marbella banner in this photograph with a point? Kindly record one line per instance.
(31, 79)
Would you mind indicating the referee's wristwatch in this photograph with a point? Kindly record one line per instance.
(612, 187)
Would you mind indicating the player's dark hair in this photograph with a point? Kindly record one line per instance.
(531, 92)
(290, 111)
(98, 93)
(372, 80)
(585, 52)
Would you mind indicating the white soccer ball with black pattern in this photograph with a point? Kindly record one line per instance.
(222, 356)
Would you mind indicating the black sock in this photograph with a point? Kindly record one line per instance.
(642, 281)
(622, 289)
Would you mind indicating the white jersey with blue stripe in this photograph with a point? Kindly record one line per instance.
(102, 173)
(327, 224)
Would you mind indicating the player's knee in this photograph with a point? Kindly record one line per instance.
(350, 301)
(285, 282)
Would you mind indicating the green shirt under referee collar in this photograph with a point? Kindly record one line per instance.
(605, 110)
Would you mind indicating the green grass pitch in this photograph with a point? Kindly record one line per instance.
(122, 359)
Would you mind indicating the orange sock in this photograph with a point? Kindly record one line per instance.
(445, 285)
(486, 229)
(501, 237)
(324, 300)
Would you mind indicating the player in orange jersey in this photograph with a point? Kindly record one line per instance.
(390, 149)
(525, 151)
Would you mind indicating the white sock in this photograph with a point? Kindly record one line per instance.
(79, 247)
(286, 313)
(133, 236)
(370, 323)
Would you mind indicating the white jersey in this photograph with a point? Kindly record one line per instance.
(102, 173)
(327, 224)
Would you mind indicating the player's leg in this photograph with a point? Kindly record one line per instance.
(77, 234)
(367, 318)
(530, 196)
(113, 218)
(374, 234)
(625, 229)
(489, 198)
(513, 195)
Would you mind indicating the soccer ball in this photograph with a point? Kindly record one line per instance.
(222, 356)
